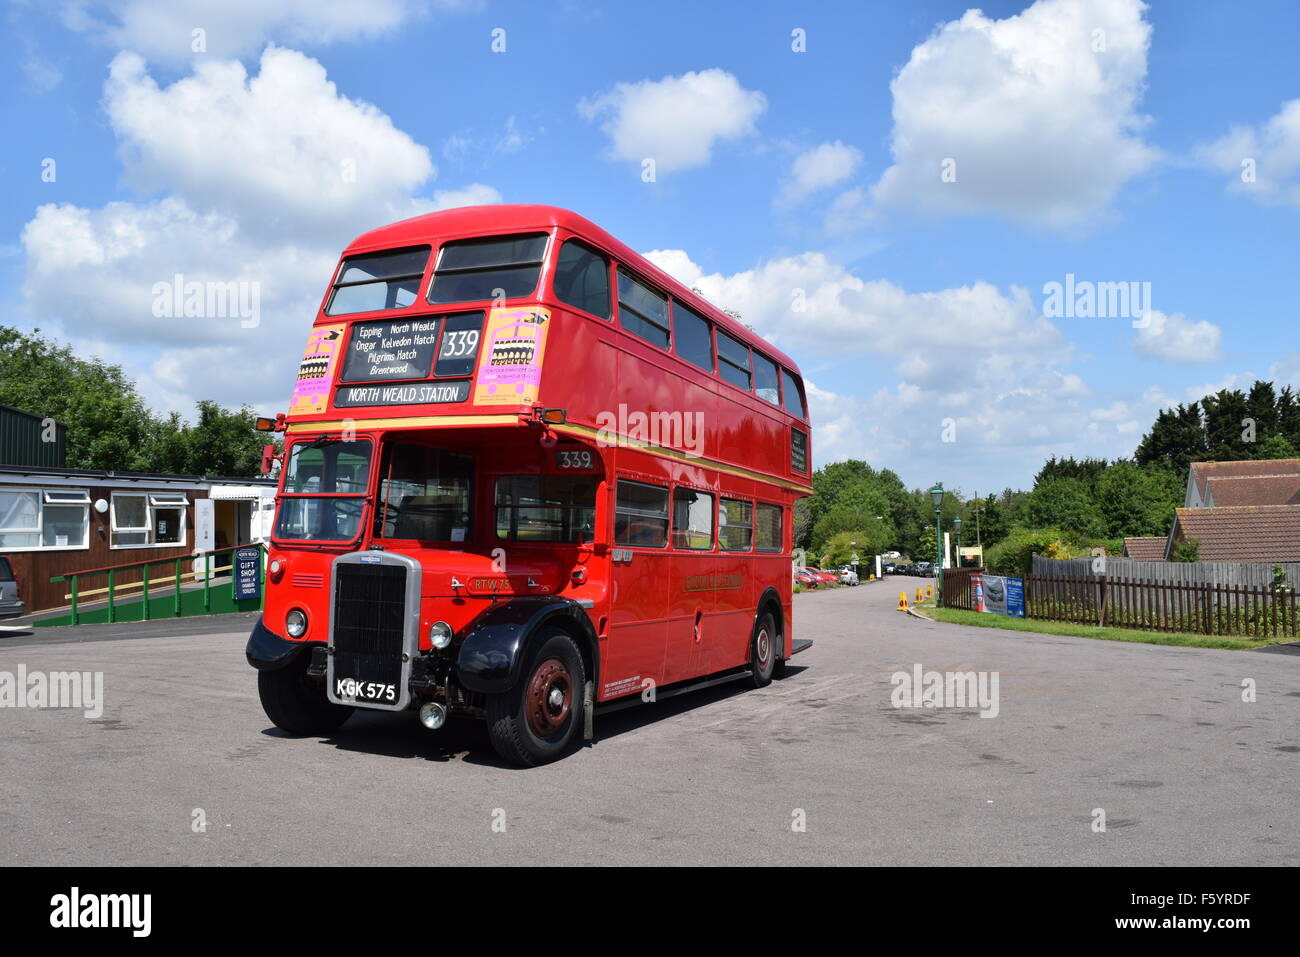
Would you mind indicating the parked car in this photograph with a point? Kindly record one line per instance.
(11, 603)
(925, 569)
(827, 578)
(806, 578)
(889, 568)
(848, 576)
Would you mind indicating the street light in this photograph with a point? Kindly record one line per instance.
(936, 496)
(956, 526)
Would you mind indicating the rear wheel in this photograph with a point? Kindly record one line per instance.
(295, 703)
(762, 651)
(536, 720)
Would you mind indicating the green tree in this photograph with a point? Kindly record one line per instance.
(108, 425)
(1065, 503)
(1187, 550)
(1176, 439)
(1135, 501)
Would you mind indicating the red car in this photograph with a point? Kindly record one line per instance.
(825, 578)
(806, 578)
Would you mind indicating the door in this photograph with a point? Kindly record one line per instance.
(639, 572)
(691, 634)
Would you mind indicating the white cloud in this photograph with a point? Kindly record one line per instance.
(236, 28)
(818, 168)
(475, 194)
(975, 354)
(279, 150)
(1042, 129)
(1176, 338)
(1264, 162)
(248, 168)
(677, 120)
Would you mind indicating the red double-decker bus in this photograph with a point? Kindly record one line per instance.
(525, 473)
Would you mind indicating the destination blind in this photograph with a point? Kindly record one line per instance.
(388, 349)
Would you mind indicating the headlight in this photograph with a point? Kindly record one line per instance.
(295, 623)
(440, 634)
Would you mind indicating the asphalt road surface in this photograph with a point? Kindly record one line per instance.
(1158, 738)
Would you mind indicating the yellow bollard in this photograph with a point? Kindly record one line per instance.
(928, 593)
(918, 593)
(902, 601)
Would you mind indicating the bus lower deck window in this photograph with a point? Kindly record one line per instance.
(641, 515)
(546, 508)
(692, 519)
(767, 527)
(735, 525)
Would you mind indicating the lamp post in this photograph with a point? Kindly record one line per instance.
(936, 496)
(956, 527)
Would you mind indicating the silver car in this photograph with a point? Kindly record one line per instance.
(10, 604)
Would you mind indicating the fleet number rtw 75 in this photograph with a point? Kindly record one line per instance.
(525, 474)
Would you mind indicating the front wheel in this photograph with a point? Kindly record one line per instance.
(536, 720)
(762, 651)
(295, 703)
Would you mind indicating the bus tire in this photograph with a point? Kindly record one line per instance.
(762, 650)
(536, 720)
(295, 703)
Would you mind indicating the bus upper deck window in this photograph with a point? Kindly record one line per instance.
(499, 267)
(582, 279)
(765, 383)
(794, 403)
(733, 361)
(387, 280)
(642, 311)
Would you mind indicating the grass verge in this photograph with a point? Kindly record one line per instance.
(978, 619)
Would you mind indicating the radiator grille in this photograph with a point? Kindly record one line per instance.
(369, 609)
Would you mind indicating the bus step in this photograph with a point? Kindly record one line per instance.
(801, 644)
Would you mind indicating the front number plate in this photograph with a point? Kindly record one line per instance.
(370, 692)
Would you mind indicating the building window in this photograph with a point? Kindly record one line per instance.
(735, 525)
(148, 519)
(641, 515)
(44, 519)
(767, 528)
(692, 519)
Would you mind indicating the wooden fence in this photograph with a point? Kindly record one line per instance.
(956, 591)
(1251, 610)
(1256, 611)
(1259, 574)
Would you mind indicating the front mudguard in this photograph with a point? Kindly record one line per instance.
(492, 652)
(267, 651)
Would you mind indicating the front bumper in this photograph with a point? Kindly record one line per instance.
(12, 609)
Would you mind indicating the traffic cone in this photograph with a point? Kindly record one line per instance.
(929, 593)
(902, 601)
(918, 593)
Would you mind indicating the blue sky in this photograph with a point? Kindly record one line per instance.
(1102, 139)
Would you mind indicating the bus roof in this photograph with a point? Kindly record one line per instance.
(512, 217)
